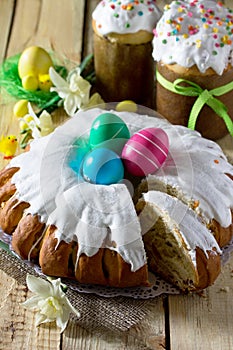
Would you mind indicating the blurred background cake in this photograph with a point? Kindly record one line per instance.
(194, 41)
(123, 50)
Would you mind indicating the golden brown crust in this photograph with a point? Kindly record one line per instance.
(11, 214)
(105, 267)
(90, 269)
(118, 77)
(176, 108)
(27, 233)
(209, 268)
(223, 235)
(55, 261)
(119, 273)
(7, 191)
(6, 174)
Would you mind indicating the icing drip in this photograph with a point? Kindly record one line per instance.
(104, 216)
(35, 244)
(125, 16)
(195, 32)
(98, 215)
(194, 232)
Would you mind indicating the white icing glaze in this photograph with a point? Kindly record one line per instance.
(97, 215)
(205, 181)
(186, 220)
(125, 16)
(195, 32)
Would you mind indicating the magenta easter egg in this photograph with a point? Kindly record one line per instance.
(146, 151)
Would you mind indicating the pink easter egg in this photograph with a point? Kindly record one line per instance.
(146, 151)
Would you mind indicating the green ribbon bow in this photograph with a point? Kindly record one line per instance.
(204, 97)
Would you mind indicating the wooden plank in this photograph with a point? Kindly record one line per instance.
(17, 330)
(150, 334)
(36, 24)
(7, 8)
(204, 322)
(25, 25)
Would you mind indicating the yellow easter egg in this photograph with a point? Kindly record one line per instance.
(34, 61)
(127, 106)
(20, 108)
(30, 82)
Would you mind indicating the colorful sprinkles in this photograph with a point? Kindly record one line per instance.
(207, 15)
(130, 6)
(204, 26)
(126, 14)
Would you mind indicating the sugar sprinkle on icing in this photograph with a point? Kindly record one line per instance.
(195, 32)
(126, 16)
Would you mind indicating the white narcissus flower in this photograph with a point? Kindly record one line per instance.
(50, 301)
(39, 127)
(75, 91)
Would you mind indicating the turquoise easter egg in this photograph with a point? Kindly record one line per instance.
(102, 166)
(77, 153)
(109, 131)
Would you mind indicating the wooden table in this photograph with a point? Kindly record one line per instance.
(175, 322)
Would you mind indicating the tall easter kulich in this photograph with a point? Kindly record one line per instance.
(194, 41)
(123, 33)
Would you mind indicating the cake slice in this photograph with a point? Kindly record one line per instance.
(202, 180)
(179, 247)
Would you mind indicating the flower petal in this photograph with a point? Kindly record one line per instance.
(71, 105)
(40, 319)
(36, 133)
(38, 285)
(57, 80)
(70, 308)
(62, 323)
(46, 123)
(62, 92)
(95, 100)
(32, 303)
(32, 114)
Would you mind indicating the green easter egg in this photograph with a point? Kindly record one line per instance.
(109, 131)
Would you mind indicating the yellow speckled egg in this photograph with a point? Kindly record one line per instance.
(34, 61)
(20, 108)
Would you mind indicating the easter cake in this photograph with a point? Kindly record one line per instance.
(82, 201)
(193, 49)
(123, 50)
